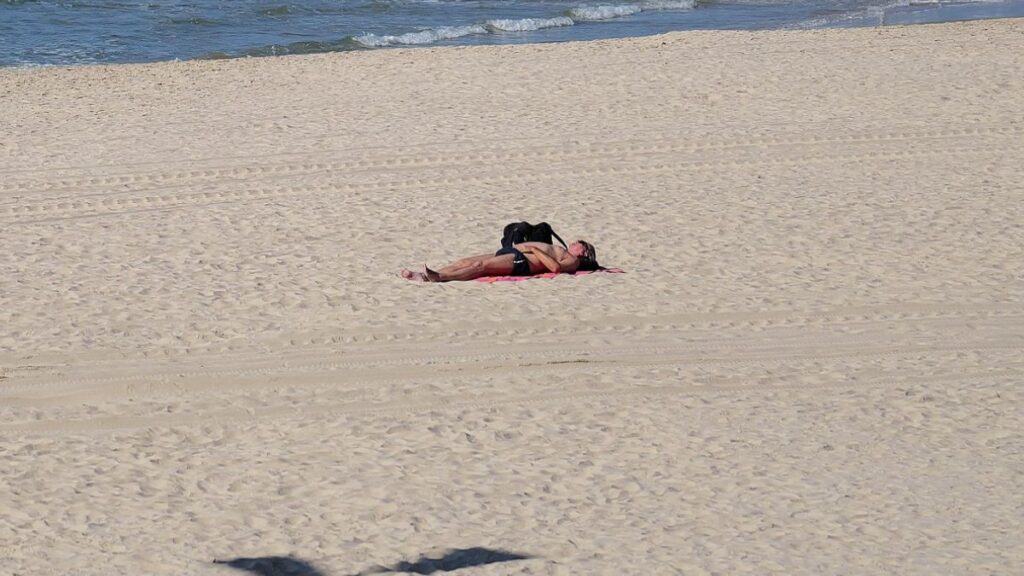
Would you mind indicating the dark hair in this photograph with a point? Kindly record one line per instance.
(588, 262)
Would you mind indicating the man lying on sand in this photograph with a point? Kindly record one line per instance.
(523, 259)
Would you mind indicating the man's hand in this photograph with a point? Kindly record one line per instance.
(533, 249)
(544, 255)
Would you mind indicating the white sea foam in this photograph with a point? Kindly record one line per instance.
(610, 11)
(578, 14)
(527, 24)
(590, 13)
(421, 37)
(669, 5)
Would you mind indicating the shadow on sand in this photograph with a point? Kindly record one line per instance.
(453, 560)
(273, 566)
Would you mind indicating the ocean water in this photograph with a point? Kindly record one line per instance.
(72, 32)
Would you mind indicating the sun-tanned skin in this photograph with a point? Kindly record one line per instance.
(542, 258)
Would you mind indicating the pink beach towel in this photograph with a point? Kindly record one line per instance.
(493, 279)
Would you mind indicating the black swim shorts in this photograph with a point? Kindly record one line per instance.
(520, 265)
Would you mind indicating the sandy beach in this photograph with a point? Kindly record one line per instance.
(812, 365)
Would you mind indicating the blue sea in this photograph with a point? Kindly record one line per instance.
(70, 32)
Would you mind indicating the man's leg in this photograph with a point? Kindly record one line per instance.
(469, 260)
(465, 269)
(472, 269)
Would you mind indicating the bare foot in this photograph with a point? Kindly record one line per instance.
(430, 275)
(413, 276)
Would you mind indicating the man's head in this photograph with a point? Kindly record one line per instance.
(583, 250)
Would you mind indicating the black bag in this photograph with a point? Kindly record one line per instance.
(517, 232)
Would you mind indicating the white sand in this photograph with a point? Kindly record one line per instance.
(812, 366)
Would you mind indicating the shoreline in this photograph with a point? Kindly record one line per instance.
(483, 33)
(483, 46)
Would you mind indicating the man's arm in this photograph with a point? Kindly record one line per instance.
(550, 262)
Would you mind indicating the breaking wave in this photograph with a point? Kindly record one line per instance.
(421, 37)
(499, 26)
(527, 24)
